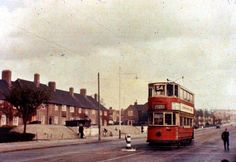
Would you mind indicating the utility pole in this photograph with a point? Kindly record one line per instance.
(119, 107)
(120, 113)
(99, 120)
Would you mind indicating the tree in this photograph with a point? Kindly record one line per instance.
(27, 99)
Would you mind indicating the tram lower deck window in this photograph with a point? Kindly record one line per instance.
(168, 119)
(158, 119)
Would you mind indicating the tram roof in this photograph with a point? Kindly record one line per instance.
(166, 82)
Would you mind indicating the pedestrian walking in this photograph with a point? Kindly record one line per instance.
(104, 132)
(81, 131)
(225, 138)
(142, 129)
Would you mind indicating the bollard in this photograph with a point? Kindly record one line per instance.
(128, 144)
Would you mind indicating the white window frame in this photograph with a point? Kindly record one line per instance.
(56, 108)
(105, 113)
(63, 108)
(72, 109)
(93, 112)
(80, 110)
(130, 113)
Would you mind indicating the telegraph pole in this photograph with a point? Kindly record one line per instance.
(119, 107)
(99, 120)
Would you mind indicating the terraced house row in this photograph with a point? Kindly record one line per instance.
(63, 105)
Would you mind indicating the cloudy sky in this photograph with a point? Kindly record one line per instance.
(70, 41)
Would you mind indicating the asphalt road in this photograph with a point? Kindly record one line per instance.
(206, 147)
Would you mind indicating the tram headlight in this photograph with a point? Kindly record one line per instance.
(158, 134)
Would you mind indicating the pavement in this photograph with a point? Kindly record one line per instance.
(39, 144)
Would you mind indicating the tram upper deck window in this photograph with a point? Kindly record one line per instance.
(176, 90)
(170, 89)
(160, 89)
(158, 119)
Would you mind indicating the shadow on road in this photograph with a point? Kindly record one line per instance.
(159, 147)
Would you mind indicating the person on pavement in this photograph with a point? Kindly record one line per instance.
(225, 138)
(81, 131)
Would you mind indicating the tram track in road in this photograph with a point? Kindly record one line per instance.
(207, 146)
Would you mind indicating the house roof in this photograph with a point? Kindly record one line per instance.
(4, 90)
(138, 107)
(60, 97)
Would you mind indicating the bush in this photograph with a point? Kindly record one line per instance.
(15, 136)
(5, 129)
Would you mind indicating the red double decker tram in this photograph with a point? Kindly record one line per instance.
(170, 114)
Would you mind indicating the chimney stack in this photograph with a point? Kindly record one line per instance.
(83, 91)
(6, 75)
(96, 97)
(52, 85)
(71, 89)
(36, 79)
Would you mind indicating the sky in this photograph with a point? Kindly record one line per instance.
(70, 41)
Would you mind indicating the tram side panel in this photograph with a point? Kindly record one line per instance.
(162, 134)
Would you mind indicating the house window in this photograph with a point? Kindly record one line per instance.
(86, 112)
(130, 113)
(80, 110)
(43, 119)
(55, 119)
(15, 120)
(72, 109)
(93, 112)
(105, 113)
(56, 108)
(3, 120)
(100, 112)
(93, 120)
(63, 107)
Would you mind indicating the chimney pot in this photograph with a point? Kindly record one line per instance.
(71, 89)
(52, 85)
(36, 79)
(96, 97)
(6, 75)
(83, 91)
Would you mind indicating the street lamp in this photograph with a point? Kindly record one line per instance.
(136, 77)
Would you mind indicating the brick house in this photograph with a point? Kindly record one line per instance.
(135, 114)
(64, 105)
(113, 116)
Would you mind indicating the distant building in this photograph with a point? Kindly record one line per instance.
(135, 114)
(113, 116)
(64, 105)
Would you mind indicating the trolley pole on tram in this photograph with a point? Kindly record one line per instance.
(99, 120)
(120, 112)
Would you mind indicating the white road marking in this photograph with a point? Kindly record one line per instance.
(120, 157)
